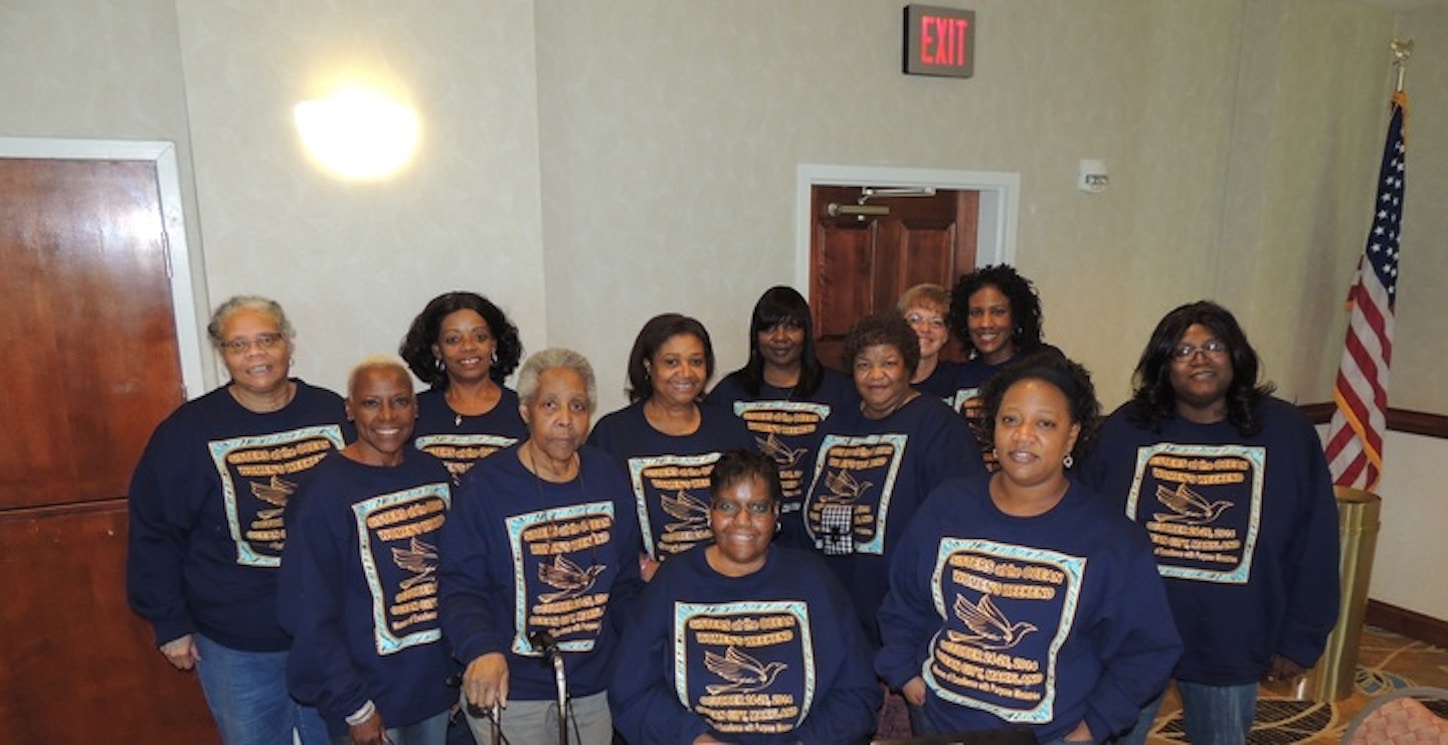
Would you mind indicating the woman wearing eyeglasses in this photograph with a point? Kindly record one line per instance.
(206, 523)
(741, 641)
(926, 308)
(1232, 486)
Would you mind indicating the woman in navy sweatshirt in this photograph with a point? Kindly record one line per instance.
(540, 558)
(1020, 599)
(207, 525)
(740, 641)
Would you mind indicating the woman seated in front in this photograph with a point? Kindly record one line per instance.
(743, 642)
(1019, 598)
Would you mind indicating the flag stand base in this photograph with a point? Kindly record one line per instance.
(1357, 520)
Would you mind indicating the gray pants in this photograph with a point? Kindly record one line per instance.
(536, 722)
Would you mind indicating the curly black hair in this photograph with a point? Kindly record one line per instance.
(416, 347)
(882, 328)
(1049, 366)
(1153, 399)
(1025, 305)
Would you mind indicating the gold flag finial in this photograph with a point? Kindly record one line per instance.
(1402, 50)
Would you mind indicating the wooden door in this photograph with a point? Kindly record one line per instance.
(88, 332)
(861, 266)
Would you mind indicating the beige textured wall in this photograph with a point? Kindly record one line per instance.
(1301, 186)
(1415, 500)
(1420, 349)
(354, 262)
(1239, 138)
(91, 69)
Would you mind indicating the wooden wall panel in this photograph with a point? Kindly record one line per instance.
(77, 665)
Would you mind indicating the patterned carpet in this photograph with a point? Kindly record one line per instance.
(1386, 662)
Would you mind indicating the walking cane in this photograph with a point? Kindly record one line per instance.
(544, 642)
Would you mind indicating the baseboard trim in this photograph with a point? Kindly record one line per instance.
(1407, 623)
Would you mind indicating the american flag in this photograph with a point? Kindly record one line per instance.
(1355, 438)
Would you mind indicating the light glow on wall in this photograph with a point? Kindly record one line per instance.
(359, 133)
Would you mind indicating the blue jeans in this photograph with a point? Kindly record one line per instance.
(920, 724)
(247, 695)
(1217, 715)
(1144, 720)
(430, 731)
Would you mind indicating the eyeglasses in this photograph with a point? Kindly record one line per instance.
(263, 342)
(935, 322)
(1213, 348)
(753, 509)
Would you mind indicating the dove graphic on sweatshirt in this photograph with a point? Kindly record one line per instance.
(988, 627)
(1187, 506)
(569, 579)
(743, 673)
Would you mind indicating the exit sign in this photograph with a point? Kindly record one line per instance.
(939, 41)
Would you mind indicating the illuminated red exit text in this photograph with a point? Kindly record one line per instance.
(943, 41)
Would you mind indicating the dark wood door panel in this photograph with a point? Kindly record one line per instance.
(863, 265)
(77, 665)
(89, 333)
(847, 259)
(916, 254)
(88, 318)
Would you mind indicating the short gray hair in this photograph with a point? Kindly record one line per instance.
(265, 306)
(376, 362)
(548, 359)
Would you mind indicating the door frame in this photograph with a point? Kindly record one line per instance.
(999, 204)
(189, 302)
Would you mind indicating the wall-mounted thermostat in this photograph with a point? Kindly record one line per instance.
(1093, 179)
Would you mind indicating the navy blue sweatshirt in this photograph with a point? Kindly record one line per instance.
(206, 513)
(1244, 529)
(669, 474)
(460, 440)
(1043, 621)
(521, 555)
(772, 657)
(788, 428)
(358, 589)
(870, 477)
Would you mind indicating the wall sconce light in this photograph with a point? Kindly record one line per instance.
(358, 133)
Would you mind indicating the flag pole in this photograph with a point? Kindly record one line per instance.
(1354, 447)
